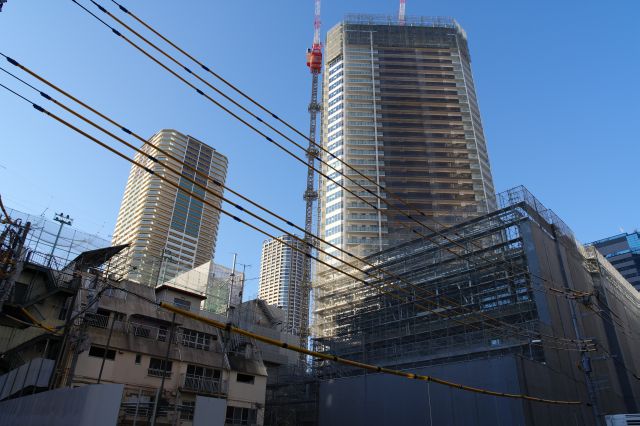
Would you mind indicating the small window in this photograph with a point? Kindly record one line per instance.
(157, 368)
(138, 359)
(98, 352)
(245, 378)
(186, 410)
(241, 416)
(182, 304)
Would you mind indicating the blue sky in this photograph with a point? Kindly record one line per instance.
(557, 84)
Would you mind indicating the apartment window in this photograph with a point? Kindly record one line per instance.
(157, 367)
(182, 304)
(140, 331)
(186, 410)
(62, 315)
(334, 196)
(334, 70)
(334, 85)
(195, 339)
(99, 352)
(335, 77)
(138, 359)
(237, 416)
(338, 108)
(245, 378)
(162, 333)
(204, 372)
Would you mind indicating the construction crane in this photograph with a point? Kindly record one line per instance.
(401, 12)
(314, 62)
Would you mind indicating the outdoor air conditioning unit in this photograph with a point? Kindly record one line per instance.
(623, 420)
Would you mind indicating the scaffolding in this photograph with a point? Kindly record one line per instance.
(473, 278)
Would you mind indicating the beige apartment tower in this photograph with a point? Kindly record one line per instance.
(170, 231)
(400, 106)
(281, 269)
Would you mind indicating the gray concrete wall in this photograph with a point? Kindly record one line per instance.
(34, 373)
(95, 405)
(209, 411)
(379, 399)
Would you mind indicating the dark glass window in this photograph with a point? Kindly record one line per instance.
(98, 352)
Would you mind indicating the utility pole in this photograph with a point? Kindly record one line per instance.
(233, 277)
(244, 268)
(585, 345)
(164, 371)
(64, 220)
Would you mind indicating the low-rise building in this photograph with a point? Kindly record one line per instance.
(623, 252)
(118, 334)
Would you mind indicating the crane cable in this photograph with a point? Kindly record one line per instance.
(40, 109)
(319, 146)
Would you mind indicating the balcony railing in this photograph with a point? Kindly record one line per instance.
(199, 384)
(158, 372)
(97, 320)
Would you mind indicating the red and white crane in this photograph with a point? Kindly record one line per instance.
(401, 12)
(314, 62)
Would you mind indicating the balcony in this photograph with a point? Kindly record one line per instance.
(158, 372)
(97, 320)
(202, 385)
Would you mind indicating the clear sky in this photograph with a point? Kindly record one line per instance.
(557, 84)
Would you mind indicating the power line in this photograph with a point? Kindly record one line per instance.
(46, 96)
(289, 152)
(564, 291)
(318, 146)
(270, 224)
(561, 340)
(333, 358)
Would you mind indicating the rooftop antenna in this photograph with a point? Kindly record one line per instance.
(401, 12)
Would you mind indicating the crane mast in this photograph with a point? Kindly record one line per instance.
(314, 62)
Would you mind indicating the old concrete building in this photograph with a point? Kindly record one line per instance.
(117, 335)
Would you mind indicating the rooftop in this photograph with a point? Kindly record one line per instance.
(409, 21)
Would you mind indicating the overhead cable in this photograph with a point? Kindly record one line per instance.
(366, 273)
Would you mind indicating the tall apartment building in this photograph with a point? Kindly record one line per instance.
(280, 284)
(400, 107)
(623, 251)
(170, 231)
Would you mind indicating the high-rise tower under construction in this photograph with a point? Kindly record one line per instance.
(400, 107)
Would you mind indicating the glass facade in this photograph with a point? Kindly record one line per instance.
(623, 252)
(170, 231)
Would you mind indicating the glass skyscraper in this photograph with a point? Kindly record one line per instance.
(170, 231)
